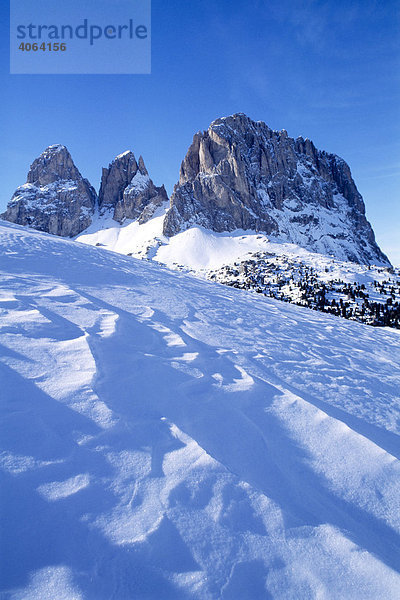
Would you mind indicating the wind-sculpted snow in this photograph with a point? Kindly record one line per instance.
(167, 437)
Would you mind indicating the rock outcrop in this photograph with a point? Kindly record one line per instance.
(127, 190)
(55, 198)
(241, 174)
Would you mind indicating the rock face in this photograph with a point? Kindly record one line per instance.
(56, 198)
(127, 190)
(240, 174)
(116, 178)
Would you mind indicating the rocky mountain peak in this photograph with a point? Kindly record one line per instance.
(55, 198)
(116, 178)
(142, 166)
(54, 164)
(240, 174)
(128, 191)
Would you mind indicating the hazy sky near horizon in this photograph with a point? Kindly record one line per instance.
(327, 70)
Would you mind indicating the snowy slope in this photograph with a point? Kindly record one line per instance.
(196, 249)
(202, 251)
(132, 238)
(167, 437)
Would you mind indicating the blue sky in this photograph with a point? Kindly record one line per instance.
(327, 70)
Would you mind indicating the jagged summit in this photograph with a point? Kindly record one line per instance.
(142, 166)
(54, 148)
(240, 174)
(115, 179)
(54, 164)
(127, 190)
(127, 152)
(55, 198)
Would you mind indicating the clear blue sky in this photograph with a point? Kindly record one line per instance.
(328, 70)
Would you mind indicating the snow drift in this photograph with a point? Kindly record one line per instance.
(167, 437)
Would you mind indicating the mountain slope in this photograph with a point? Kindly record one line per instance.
(251, 261)
(167, 437)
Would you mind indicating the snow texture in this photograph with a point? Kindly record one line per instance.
(167, 437)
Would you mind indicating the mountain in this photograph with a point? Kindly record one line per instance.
(253, 209)
(127, 190)
(165, 437)
(55, 198)
(240, 174)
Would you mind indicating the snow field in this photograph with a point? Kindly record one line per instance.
(166, 437)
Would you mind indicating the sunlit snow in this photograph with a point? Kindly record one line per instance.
(164, 437)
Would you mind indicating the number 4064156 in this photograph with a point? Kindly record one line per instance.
(49, 47)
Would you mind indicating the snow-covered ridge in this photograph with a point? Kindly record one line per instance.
(127, 152)
(198, 249)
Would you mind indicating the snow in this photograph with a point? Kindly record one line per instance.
(223, 257)
(46, 198)
(167, 437)
(130, 238)
(123, 154)
(57, 490)
(55, 148)
(200, 250)
(139, 182)
(264, 197)
(305, 172)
